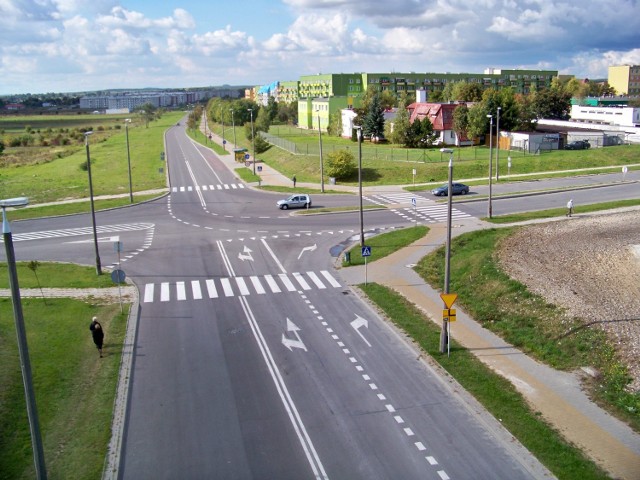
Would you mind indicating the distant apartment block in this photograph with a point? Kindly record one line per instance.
(133, 100)
(625, 79)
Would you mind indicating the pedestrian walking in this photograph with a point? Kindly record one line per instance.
(294, 181)
(569, 207)
(97, 333)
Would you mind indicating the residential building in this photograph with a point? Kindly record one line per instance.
(625, 79)
(441, 117)
(619, 115)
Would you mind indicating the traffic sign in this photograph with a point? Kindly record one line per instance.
(366, 251)
(246, 156)
(448, 298)
(224, 142)
(449, 314)
(118, 276)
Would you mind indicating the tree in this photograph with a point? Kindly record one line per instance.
(420, 134)
(340, 164)
(436, 96)
(261, 144)
(262, 121)
(386, 98)
(1, 147)
(461, 120)
(401, 123)
(373, 122)
(335, 124)
(552, 104)
(478, 123)
(272, 108)
(147, 112)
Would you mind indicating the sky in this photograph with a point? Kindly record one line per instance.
(79, 45)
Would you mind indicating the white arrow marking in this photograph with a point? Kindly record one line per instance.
(308, 249)
(247, 255)
(360, 322)
(289, 343)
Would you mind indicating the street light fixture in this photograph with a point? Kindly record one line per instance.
(222, 120)
(444, 332)
(359, 130)
(498, 145)
(127, 121)
(233, 121)
(321, 161)
(23, 350)
(489, 208)
(253, 141)
(93, 210)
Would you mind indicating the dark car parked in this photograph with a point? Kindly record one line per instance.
(456, 188)
(578, 145)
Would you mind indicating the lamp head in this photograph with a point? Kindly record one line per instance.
(446, 150)
(14, 202)
(86, 134)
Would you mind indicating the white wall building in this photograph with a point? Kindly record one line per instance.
(622, 116)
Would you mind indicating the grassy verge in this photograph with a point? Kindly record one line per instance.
(497, 395)
(386, 244)
(527, 321)
(74, 388)
(55, 275)
(247, 175)
(558, 212)
(76, 207)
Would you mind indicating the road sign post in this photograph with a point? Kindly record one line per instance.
(448, 316)
(366, 252)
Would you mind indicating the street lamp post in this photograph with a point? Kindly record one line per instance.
(489, 208)
(222, 120)
(447, 262)
(359, 130)
(498, 145)
(127, 121)
(233, 121)
(253, 141)
(93, 210)
(321, 162)
(23, 350)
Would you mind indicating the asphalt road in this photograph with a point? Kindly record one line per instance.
(253, 360)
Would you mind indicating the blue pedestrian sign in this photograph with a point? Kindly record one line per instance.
(246, 156)
(366, 251)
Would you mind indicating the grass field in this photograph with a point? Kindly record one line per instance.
(109, 166)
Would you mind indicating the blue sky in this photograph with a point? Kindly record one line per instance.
(79, 45)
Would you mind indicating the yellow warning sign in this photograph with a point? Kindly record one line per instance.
(448, 298)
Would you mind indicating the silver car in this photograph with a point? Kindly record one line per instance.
(299, 200)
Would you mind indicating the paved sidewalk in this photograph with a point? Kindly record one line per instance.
(557, 395)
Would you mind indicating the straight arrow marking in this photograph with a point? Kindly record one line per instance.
(360, 322)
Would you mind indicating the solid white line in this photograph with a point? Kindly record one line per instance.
(334, 283)
(257, 285)
(272, 284)
(195, 288)
(148, 292)
(211, 288)
(242, 285)
(205, 160)
(305, 441)
(303, 283)
(314, 278)
(180, 291)
(195, 182)
(164, 292)
(273, 255)
(226, 286)
(287, 283)
(225, 259)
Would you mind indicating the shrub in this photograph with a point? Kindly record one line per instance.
(341, 164)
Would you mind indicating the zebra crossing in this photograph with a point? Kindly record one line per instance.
(430, 213)
(394, 198)
(225, 287)
(205, 188)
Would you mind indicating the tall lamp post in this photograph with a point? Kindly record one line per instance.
(447, 262)
(321, 162)
(222, 120)
(498, 145)
(23, 350)
(359, 130)
(253, 141)
(93, 210)
(233, 121)
(490, 117)
(127, 121)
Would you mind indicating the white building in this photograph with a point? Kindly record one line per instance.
(614, 115)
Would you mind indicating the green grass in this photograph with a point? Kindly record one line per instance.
(55, 275)
(526, 320)
(74, 388)
(386, 244)
(558, 212)
(109, 167)
(76, 207)
(246, 174)
(497, 394)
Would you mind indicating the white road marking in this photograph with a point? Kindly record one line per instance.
(314, 278)
(195, 288)
(211, 288)
(303, 283)
(242, 285)
(272, 284)
(287, 283)
(148, 292)
(226, 287)
(164, 292)
(180, 291)
(257, 285)
(334, 283)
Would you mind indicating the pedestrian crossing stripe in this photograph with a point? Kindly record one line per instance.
(205, 188)
(239, 286)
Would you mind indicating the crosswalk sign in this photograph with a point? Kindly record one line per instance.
(366, 251)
